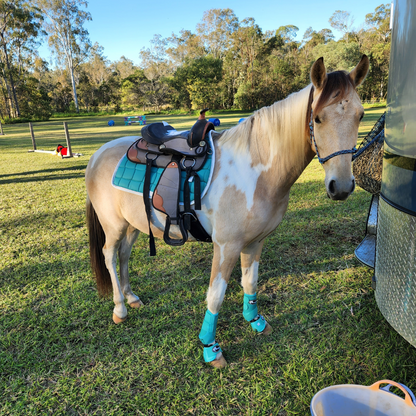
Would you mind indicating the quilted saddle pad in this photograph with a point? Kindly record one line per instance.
(129, 176)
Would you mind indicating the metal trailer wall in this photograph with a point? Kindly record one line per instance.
(395, 265)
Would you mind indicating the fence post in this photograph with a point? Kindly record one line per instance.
(32, 135)
(68, 142)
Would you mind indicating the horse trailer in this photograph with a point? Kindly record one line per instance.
(389, 246)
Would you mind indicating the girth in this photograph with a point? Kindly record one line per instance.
(164, 147)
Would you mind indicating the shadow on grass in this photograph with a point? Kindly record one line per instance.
(20, 176)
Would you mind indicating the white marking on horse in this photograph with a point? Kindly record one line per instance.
(249, 278)
(216, 293)
(110, 145)
(246, 178)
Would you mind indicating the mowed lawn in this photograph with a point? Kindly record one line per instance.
(61, 354)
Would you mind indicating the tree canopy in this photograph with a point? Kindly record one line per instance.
(225, 63)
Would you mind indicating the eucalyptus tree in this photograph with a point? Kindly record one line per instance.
(248, 42)
(183, 47)
(157, 68)
(377, 43)
(19, 25)
(216, 29)
(342, 21)
(64, 22)
(124, 67)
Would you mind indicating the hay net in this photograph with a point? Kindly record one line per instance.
(368, 161)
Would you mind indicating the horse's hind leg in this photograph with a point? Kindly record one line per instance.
(110, 254)
(250, 257)
(124, 253)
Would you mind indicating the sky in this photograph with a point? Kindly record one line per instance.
(124, 27)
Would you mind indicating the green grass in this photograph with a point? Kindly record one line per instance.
(60, 353)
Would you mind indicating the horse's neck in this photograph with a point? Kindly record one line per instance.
(280, 141)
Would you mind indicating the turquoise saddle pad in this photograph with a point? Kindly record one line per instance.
(130, 176)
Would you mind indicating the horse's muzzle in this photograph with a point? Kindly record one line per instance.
(339, 191)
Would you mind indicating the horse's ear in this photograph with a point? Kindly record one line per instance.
(318, 74)
(359, 73)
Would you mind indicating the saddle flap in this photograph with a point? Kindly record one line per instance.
(166, 194)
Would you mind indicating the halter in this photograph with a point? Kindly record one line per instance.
(325, 159)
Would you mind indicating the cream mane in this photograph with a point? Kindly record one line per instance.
(279, 129)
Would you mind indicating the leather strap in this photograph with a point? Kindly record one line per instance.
(197, 230)
(146, 199)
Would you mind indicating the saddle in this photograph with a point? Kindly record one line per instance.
(164, 147)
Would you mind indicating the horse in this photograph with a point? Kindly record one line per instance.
(257, 163)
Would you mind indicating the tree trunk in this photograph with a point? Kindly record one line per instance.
(8, 98)
(74, 89)
(11, 79)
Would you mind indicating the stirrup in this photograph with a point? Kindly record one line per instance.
(172, 241)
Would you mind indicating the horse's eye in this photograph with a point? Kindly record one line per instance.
(317, 120)
(362, 116)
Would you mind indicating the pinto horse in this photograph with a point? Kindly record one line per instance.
(257, 163)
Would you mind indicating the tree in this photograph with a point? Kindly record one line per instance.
(247, 45)
(338, 55)
(124, 66)
(19, 24)
(157, 68)
(36, 104)
(377, 43)
(342, 21)
(67, 36)
(215, 30)
(97, 65)
(132, 88)
(184, 47)
(287, 33)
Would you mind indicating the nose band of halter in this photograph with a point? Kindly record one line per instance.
(325, 159)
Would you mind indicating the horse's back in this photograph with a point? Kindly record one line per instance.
(99, 174)
(116, 208)
(109, 155)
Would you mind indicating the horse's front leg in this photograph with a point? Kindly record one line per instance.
(225, 257)
(250, 257)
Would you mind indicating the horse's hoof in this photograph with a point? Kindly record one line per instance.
(137, 304)
(267, 330)
(118, 320)
(219, 362)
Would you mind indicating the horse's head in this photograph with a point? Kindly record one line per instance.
(335, 115)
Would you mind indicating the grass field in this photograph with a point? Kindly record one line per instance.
(61, 354)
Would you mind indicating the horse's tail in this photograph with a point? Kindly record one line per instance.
(97, 241)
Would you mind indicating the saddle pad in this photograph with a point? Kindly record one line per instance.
(129, 176)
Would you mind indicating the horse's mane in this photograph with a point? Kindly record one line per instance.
(280, 128)
(275, 130)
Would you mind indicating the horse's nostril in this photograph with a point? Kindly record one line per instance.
(331, 187)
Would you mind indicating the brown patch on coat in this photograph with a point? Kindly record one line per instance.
(230, 256)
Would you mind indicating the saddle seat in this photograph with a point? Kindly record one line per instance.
(159, 133)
